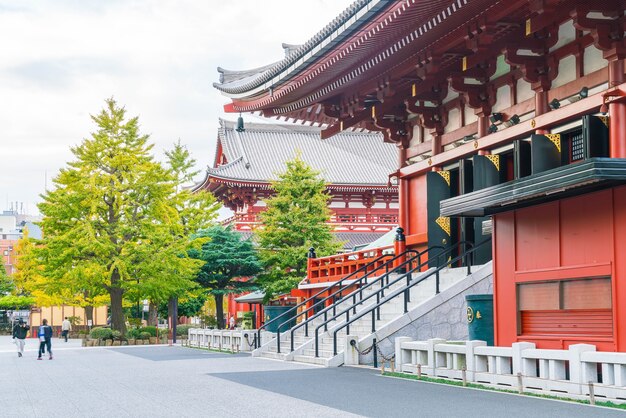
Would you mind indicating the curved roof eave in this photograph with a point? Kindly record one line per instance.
(336, 31)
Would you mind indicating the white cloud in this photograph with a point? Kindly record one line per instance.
(61, 59)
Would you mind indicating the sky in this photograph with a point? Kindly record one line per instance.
(60, 59)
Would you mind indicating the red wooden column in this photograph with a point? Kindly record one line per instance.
(617, 111)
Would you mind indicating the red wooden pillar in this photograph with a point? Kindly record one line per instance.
(617, 112)
(541, 106)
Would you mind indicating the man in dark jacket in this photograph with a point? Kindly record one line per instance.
(20, 330)
(45, 338)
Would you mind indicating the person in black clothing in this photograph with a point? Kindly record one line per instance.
(45, 338)
(20, 330)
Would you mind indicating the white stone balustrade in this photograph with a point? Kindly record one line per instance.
(219, 339)
(558, 372)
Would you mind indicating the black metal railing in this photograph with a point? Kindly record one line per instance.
(287, 314)
(337, 297)
(412, 255)
(380, 293)
(466, 255)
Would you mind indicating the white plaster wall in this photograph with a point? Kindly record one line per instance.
(593, 60)
(567, 71)
(454, 120)
(567, 34)
(417, 136)
(524, 92)
(503, 98)
(470, 116)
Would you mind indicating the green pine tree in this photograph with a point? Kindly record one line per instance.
(295, 220)
(227, 258)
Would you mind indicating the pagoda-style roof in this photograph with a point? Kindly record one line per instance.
(259, 153)
(369, 42)
(298, 57)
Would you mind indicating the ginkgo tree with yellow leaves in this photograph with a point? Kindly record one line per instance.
(117, 221)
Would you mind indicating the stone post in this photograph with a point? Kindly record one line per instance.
(517, 349)
(432, 359)
(580, 372)
(401, 357)
(351, 356)
(470, 358)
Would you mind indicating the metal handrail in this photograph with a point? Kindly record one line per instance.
(358, 282)
(405, 290)
(366, 266)
(407, 276)
(381, 292)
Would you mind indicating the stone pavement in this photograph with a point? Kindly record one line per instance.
(162, 381)
(32, 344)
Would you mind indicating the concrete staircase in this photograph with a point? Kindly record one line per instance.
(390, 312)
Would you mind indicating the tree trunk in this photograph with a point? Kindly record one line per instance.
(219, 309)
(117, 313)
(153, 314)
(88, 314)
(172, 313)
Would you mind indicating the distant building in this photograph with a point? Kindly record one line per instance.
(12, 226)
(364, 204)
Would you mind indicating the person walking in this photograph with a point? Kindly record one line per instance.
(45, 338)
(20, 330)
(66, 327)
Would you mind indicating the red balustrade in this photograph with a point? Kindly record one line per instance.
(335, 267)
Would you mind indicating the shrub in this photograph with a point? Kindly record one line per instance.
(144, 335)
(133, 333)
(183, 329)
(151, 330)
(116, 335)
(101, 333)
(210, 321)
(135, 322)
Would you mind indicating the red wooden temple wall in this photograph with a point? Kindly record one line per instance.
(560, 272)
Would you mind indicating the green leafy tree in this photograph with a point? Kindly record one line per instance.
(110, 225)
(196, 210)
(6, 283)
(227, 259)
(295, 220)
(28, 268)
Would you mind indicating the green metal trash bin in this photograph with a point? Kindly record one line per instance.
(272, 312)
(480, 317)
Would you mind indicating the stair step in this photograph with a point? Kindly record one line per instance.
(310, 352)
(273, 355)
(310, 359)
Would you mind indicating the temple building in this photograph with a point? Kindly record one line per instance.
(363, 202)
(510, 121)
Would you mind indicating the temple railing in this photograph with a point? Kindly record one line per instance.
(338, 218)
(334, 267)
(579, 371)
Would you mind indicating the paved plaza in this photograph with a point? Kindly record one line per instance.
(163, 381)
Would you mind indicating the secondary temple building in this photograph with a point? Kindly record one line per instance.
(363, 201)
(510, 120)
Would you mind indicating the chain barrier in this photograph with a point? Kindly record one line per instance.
(364, 352)
(250, 342)
(370, 348)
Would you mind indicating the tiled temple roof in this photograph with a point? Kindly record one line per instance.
(260, 152)
(298, 57)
